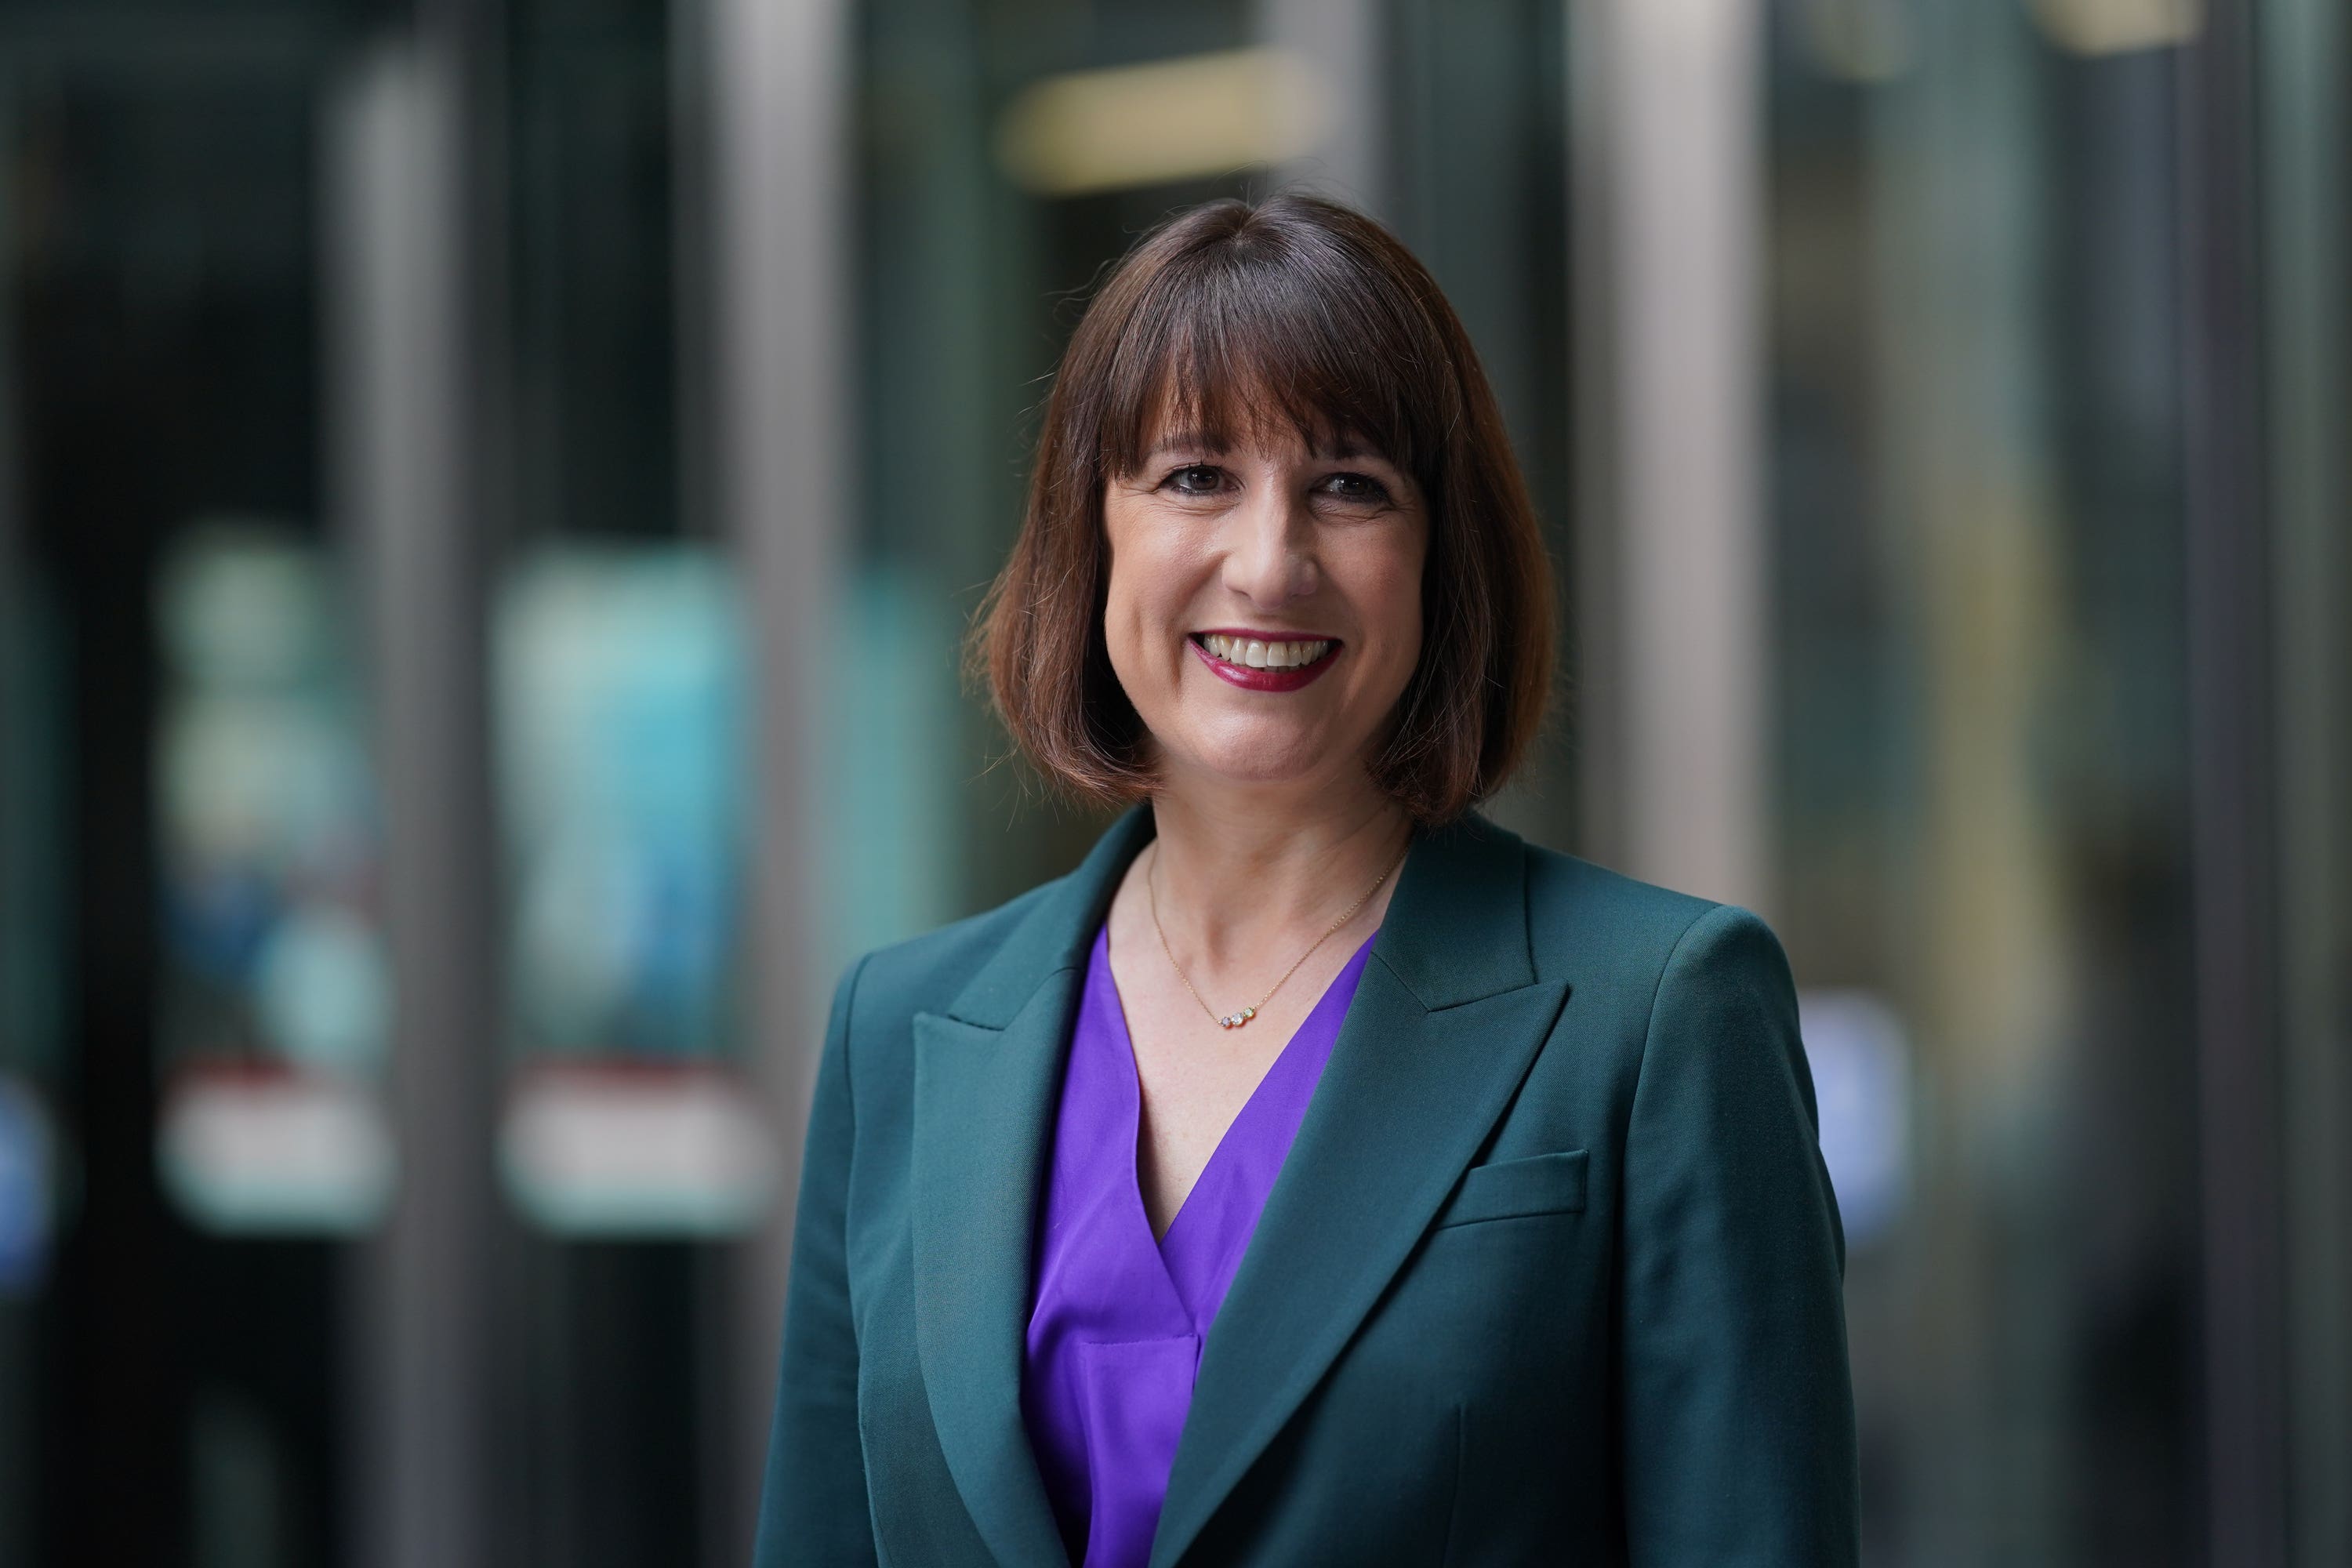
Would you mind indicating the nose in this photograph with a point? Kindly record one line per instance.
(1270, 560)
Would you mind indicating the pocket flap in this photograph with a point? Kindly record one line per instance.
(1540, 1184)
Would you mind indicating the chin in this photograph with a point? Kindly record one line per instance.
(1251, 755)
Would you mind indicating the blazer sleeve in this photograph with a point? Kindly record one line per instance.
(813, 1503)
(1738, 1431)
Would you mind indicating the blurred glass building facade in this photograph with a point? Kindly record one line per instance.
(490, 494)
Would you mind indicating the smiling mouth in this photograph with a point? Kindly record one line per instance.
(1259, 664)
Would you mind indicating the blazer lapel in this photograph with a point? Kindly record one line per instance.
(1443, 1026)
(988, 1072)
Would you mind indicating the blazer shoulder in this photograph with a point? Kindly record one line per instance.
(1634, 952)
(1585, 919)
(1568, 891)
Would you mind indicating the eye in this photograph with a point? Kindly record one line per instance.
(1194, 479)
(1361, 488)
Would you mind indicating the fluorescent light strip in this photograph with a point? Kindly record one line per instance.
(1154, 124)
(2117, 26)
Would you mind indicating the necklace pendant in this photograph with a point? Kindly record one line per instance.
(1235, 1020)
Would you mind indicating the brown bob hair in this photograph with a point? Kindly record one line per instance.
(1228, 317)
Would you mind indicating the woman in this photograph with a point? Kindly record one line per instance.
(1319, 1173)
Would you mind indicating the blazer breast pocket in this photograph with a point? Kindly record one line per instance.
(1510, 1189)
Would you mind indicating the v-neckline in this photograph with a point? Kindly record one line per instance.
(1179, 1264)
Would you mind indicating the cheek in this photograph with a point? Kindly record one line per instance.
(1143, 591)
(1385, 584)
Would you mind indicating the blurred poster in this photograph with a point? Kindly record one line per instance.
(620, 712)
(620, 749)
(274, 991)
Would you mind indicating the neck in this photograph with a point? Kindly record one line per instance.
(1238, 870)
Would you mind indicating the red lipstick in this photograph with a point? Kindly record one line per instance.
(1251, 679)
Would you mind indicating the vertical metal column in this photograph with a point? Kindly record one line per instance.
(2235, 854)
(18, 1467)
(1672, 613)
(783, 77)
(402, 405)
(2306, 58)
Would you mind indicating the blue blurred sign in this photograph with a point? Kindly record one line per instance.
(621, 759)
(25, 1190)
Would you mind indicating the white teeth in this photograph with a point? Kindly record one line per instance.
(1260, 654)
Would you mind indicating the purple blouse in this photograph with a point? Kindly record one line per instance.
(1115, 1331)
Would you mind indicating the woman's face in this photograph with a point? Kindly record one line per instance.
(1264, 610)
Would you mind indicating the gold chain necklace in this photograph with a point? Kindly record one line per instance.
(1235, 1020)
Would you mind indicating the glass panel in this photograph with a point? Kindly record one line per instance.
(593, 111)
(1982, 774)
(164, 376)
(627, 1141)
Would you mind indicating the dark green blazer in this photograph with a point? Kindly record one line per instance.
(1552, 1273)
